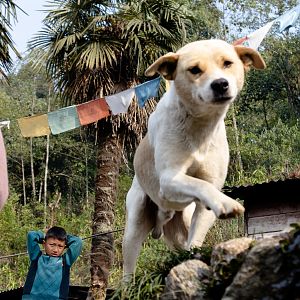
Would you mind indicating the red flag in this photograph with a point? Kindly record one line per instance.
(92, 111)
(240, 41)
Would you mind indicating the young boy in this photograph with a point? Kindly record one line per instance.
(49, 274)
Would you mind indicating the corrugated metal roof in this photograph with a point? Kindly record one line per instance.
(273, 189)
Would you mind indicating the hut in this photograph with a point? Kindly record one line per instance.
(270, 207)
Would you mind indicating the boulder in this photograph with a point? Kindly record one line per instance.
(226, 259)
(267, 273)
(187, 281)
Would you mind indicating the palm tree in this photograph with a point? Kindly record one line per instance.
(7, 15)
(97, 48)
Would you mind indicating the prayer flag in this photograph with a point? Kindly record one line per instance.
(120, 102)
(63, 119)
(147, 90)
(3, 173)
(255, 38)
(34, 125)
(288, 19)
(92, 111)
(241, 41)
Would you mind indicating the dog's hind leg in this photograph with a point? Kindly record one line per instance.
(202, 220)
(140, 219)
(162, 218)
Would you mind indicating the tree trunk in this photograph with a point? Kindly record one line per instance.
(86, 174)
(31, 146)
(46, 179)
(237, 144)
(40, 191)
(23, 180)
(109, 160)
(32, 170)
(47, 163)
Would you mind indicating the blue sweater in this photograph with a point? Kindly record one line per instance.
(48, 277)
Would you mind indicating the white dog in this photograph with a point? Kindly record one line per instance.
(181, 164)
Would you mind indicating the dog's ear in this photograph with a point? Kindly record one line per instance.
(165, 66)
(250, 57)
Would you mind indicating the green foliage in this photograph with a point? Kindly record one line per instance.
(13, 228)
(147, 286)
(15, 222)
(266, 154)
(224, 230)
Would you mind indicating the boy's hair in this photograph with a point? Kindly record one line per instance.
(57, 233)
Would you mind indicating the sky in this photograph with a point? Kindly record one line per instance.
(27, 26)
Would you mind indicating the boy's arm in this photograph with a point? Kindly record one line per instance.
(74, 245)
(34, 238)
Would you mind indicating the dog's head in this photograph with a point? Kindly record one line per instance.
(208, 71)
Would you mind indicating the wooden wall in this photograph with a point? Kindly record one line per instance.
(270, 207)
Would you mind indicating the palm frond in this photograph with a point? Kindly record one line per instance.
(8, 15)
(97, 55)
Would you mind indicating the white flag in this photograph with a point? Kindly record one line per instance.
(120, 102)
(255, 38)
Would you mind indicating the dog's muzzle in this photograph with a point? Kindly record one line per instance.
(220, 89)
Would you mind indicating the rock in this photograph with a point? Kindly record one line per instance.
(187, 280)
(224, 253)
(259, 271)
(226, 259)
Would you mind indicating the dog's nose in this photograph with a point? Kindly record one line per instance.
(220, 86)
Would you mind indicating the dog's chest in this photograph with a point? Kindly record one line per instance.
(197, 162)
(210, 161)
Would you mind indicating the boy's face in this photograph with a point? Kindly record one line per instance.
(54, 247)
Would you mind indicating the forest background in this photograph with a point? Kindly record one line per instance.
(79, 179)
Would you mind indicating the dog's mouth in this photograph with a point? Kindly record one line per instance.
(222, 99)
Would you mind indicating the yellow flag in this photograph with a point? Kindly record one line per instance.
(34, 126)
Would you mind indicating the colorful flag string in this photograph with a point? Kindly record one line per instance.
(74, 116)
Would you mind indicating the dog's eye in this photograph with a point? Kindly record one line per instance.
(195, 70)
(227, 64)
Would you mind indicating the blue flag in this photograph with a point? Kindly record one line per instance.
(63, 119)
(147, 90)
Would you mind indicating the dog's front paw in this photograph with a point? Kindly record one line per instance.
(229, 209)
